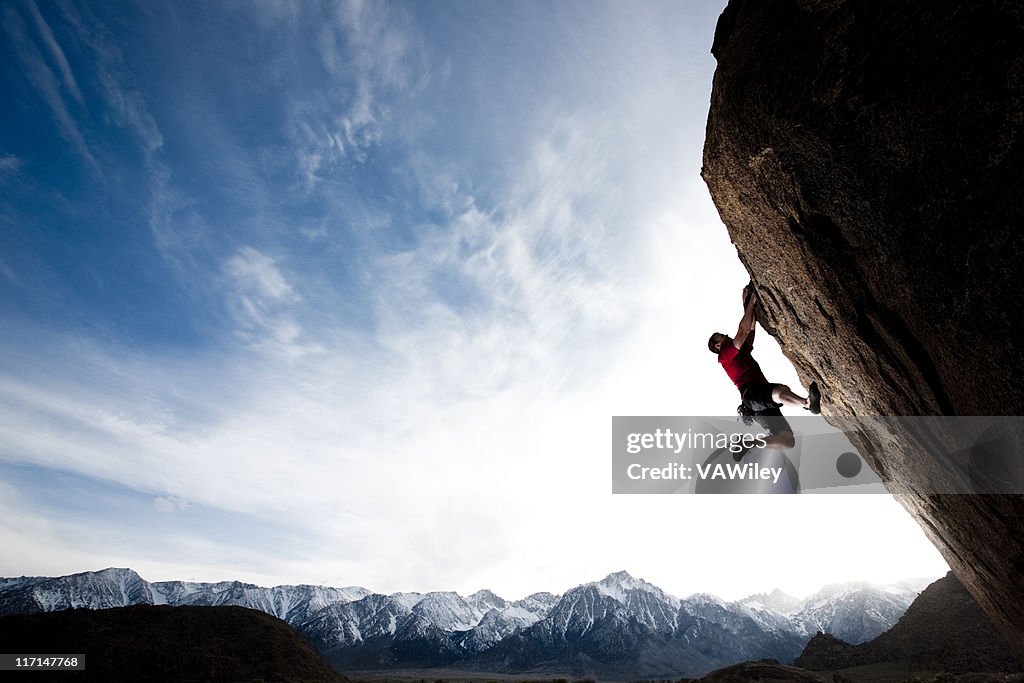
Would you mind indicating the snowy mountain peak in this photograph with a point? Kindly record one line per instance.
(447, 611)
(111, 571)
(485, 600)
(110, 587)
(537, 602)
(777, 600)
(704, 599)
(619, 577)
(619, 584)
(348, 593)
(407, 600)
(834, 588)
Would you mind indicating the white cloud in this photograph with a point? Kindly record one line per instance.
(9, 165)
(170, 504)
(379, 38)
(259, 298)
(542, 280)
(256, 276)
(366, 48)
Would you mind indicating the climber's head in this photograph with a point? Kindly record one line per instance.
(716, 341)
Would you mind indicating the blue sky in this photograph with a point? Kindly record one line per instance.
(348, 292)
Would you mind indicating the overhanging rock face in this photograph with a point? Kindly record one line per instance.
(867, 159)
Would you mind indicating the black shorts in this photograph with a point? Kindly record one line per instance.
(757, 398)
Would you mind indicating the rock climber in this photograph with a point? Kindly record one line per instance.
(760, 398)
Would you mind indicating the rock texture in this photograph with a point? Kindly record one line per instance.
(866, 158)
(943, 630)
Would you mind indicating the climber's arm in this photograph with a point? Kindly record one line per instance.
(748, 293)
(745, 332)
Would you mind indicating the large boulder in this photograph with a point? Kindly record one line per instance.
(943, 630)
(867, 159)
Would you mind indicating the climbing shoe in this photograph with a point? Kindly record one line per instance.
(814, 399)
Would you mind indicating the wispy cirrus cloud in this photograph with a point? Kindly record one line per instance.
(9, 165)
(125, 104)
(259, 298)
(258, 279)
(42, 77)
(170, 504)
(496, 294)
(46, 33)
(368, 51)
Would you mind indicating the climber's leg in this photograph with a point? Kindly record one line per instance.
(783, 395)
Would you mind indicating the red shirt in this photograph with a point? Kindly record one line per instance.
(740, 365)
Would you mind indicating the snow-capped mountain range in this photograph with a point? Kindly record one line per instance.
(619, 624)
